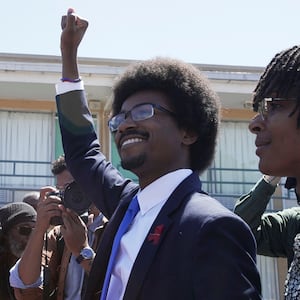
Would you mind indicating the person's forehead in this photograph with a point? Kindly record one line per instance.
(147, 96)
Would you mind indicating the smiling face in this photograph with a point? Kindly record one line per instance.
(153, 147)
(278, 139)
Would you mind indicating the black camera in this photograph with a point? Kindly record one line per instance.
(72, 197)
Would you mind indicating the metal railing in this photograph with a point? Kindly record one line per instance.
(21, 176)
(224, 184)
(229, 184)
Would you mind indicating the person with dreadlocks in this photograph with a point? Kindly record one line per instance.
(277, 128)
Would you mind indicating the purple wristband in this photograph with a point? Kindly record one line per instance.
(70, 80)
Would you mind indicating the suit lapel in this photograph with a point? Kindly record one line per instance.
(103, 253)
(157, 233)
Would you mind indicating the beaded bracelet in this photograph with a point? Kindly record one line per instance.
(70, 80)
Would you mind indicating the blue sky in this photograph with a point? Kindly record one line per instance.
(231, 32)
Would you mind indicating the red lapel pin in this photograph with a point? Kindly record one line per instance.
(155, 236)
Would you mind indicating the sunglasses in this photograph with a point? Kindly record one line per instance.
(23, 230)
(139, 112)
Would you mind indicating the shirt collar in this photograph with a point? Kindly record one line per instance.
(161, 189)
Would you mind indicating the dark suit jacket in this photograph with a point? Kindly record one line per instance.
(200, 250)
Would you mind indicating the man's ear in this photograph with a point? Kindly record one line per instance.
(189, 137)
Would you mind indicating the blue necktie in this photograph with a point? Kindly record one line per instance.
(131, 212)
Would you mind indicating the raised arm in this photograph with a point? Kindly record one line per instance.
(100, 180)
(73, 30)
(274, 232)
(252, 205)
(30, 265)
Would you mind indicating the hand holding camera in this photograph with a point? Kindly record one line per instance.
(74, 226)
(48, 206)
(72, 197)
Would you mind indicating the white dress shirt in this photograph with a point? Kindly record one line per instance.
(151, 199)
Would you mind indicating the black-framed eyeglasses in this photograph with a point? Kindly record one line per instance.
(140, 112)
(263, 107)
(24, 230)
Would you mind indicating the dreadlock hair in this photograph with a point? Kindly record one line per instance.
(281, 78)
(59, 165)
(195, 104)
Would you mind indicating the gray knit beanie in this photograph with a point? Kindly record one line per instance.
(15, 213)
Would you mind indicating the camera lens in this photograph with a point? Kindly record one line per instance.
(75, 199)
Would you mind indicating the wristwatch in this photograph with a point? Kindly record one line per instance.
(85, 253)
